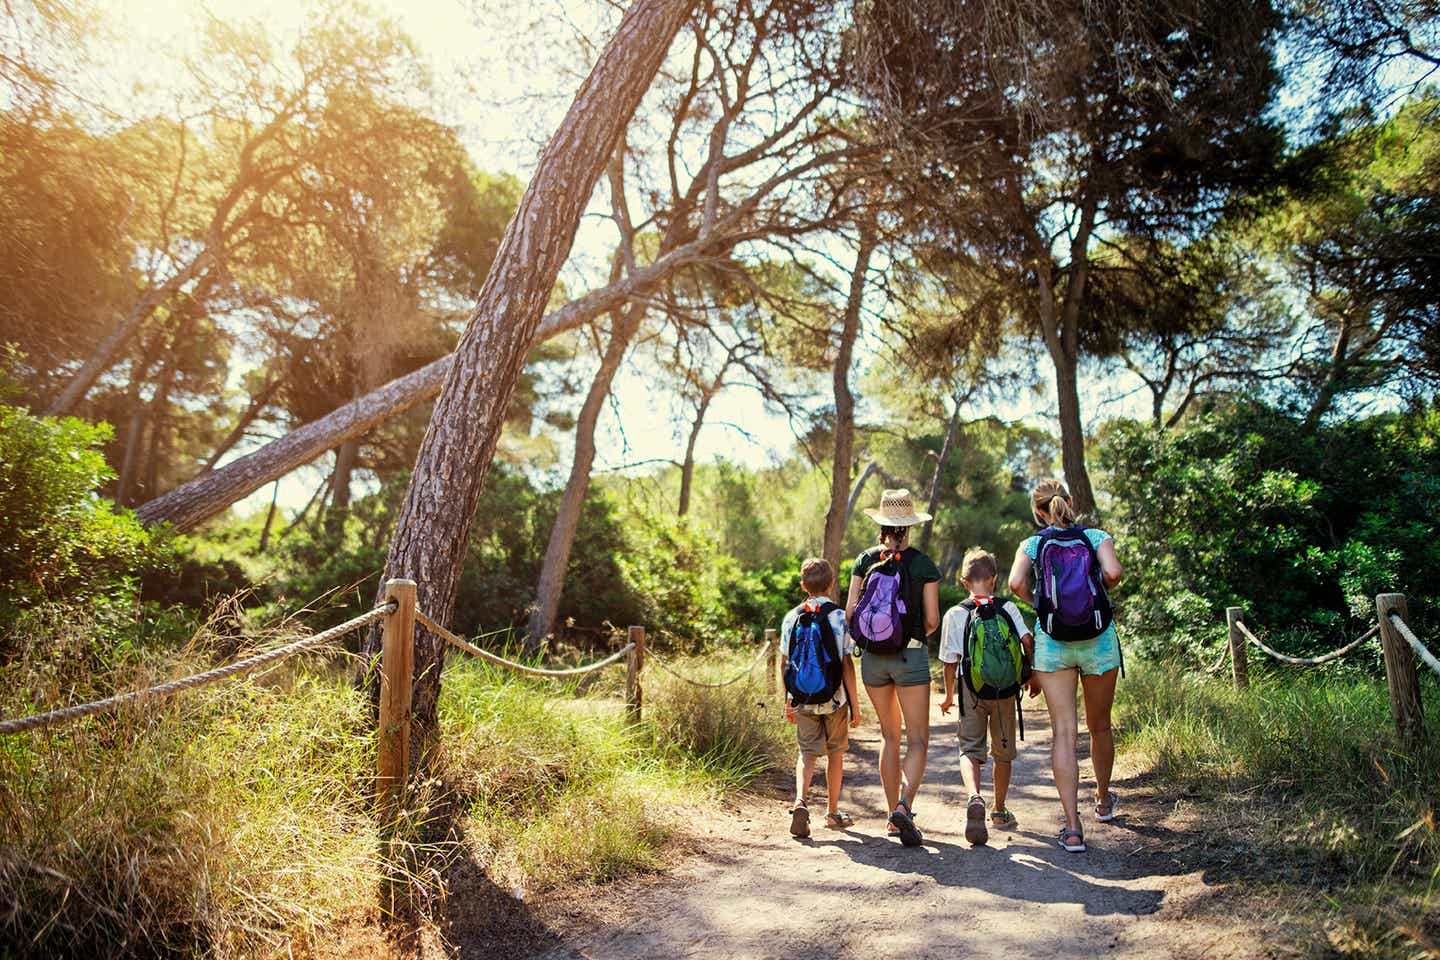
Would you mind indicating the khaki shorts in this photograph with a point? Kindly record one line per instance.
(824, 732)
(997, 717)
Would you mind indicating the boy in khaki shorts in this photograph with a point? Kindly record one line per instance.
(822, 674)
(978, 717)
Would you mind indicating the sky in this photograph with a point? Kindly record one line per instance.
(504, 97)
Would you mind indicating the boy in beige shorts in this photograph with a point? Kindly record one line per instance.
(978, 717)
(815, 649)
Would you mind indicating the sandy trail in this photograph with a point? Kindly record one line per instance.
(755, 891)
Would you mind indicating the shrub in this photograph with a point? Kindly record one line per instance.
(58, 536)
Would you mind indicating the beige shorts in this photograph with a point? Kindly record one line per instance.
(995, 717)
(823, 733)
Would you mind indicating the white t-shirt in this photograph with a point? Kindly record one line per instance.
(952, 630)
(844, 647)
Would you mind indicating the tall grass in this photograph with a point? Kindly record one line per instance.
(234, 821)
(1307, 764)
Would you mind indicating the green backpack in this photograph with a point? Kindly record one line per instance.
(993, 661)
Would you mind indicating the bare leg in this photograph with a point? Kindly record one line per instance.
(834, 775)
(887, 712)
(804, 773)
(1059, 689)
(915, 706)
(1099, 693)
(1002, 783)
(970, 775)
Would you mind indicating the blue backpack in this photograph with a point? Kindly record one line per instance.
(812, 664)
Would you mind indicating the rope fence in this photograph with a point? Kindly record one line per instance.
(1307, 661)
(702, 683)
(499, 661)
(160, 691)
(1398, 643)
(1409, 635)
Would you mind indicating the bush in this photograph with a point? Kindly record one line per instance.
(1245, 507)
(58, 536)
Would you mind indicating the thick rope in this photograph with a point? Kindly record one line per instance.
(64, 714)
(1414, 642)
(1307, 661)
(701, 683)
(499, 661)
(1220, 661)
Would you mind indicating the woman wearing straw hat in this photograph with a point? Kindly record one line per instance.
(897, 676)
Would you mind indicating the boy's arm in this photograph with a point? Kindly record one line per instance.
(847, 669)
(789, 707)
(952, 670)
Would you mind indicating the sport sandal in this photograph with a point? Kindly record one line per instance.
(1002, 819)
(975, 832)
(1072, 841)
(800, 821)
(903, 820)
(1105, 812)
(839, 820)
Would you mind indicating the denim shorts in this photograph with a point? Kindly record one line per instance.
(1091, 657)
(908, 668)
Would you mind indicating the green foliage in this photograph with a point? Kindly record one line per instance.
(58, 537)
(1318, 745)
(1246, 507)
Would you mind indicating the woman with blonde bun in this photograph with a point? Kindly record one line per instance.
(1066, 572)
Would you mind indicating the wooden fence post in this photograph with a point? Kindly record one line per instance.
(634, 666)
(1400, 670)
(1239, 665)
(397, 667)
(772, 637)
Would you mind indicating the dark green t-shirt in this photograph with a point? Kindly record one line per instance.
(922, 570)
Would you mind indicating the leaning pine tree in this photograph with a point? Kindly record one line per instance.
(434, 522)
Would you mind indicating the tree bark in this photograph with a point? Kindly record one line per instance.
(433, 526)
(269, 518)
(345, 456)
(934, 501)
(541, 622)
(837, 516)
(130, 461)
(1072, 435)
(687, 465)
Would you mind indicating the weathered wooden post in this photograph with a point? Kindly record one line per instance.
(773, 660)
(397, 668)
(1400, 670)
(1239, 665)
(634, 665)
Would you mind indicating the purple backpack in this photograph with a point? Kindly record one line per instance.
(1070, 599)
(879, 621)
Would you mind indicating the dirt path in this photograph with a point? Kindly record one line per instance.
(754, 891)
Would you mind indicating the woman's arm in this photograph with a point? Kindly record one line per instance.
(854, 600)
(1110, 569)
(1020, 575)
(932, 607)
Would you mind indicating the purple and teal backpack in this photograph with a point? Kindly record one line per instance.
(1071, 603)
(879, 621)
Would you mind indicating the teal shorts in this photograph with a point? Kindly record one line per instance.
(908, 668)
(1090, 657)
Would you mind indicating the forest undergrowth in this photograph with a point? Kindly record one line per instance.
(1302, 796)
(235, 821)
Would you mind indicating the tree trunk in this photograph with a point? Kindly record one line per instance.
(837, 516)
(687, 466)
(1072, 435)
(130, 461)
(345, 456)
(158, 422)
(934, 502)
(541, 622)
(433, 526)
(269, 519)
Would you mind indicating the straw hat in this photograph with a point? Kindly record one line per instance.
(897, 509)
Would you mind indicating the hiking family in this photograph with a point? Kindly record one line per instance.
(989, 657)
